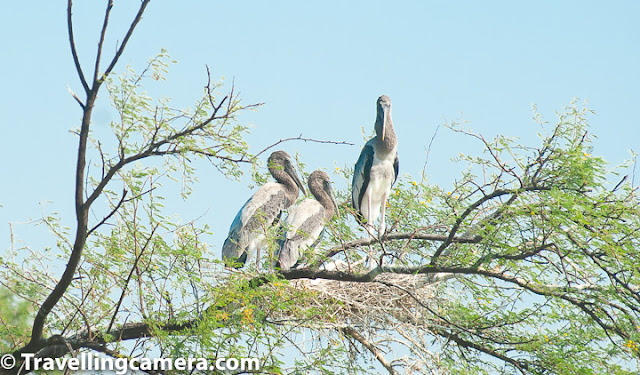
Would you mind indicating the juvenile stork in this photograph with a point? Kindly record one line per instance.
(307, 219)
(376, 170)
(264, 208)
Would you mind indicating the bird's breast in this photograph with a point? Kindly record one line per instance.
(382, 174)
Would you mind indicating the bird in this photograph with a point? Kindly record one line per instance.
(306, 220)
(264, 208)
(376, 170)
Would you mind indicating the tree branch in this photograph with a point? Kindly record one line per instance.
(82, 207)
(393, 237)
(298, 138)
(113, 211)
(471, 345)
(372, 348)
(126, 283)
(151, 150)
(103, 32)
(74, 52)
(495, 194)
(120, 50)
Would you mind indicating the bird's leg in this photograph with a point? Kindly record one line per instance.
(371, 260)
(369, 209)
(369, 226)
(382, 216)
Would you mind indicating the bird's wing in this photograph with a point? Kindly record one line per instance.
(304, 224)
(264, 206)
(232, 249)
(396, 168)
(302, 220)
(361, 175)
(237, 221)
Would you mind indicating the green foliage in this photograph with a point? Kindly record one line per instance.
(15, 316)
(154, 127)
(527, 265)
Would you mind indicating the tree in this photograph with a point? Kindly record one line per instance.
(527, 266)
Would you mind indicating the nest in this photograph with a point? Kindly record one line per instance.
(388, 297)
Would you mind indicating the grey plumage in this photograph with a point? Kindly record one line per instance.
(306, 220)
(376, 170)
(247, 233)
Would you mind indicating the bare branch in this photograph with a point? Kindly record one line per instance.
(299, 138)
(426, 158)
(208, 87)
(73, 94)
(103, 32)
(372, 348)
(74, 52)
(120, 50)
(113, 211)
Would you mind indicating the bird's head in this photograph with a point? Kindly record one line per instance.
(281, 161)
(319, 183)
(383, 115)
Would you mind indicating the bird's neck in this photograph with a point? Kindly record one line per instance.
(323, 198)
(328, 206)
(288, 183)
(390, 142)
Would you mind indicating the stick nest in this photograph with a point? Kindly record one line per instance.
(388, 297)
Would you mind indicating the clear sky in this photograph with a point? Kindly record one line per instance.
(319, 67)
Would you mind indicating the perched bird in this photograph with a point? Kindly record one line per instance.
(263, 209)
(376, 170)
(307, 219)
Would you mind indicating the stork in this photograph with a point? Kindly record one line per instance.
(376, 170)
(306, 221)
(264, 208)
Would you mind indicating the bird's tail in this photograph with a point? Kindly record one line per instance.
(288, 256)
(360, 218)
(232, 255)
(356, 212)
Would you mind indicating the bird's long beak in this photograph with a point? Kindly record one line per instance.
(291, 171)
(384, 121)
(333, 200)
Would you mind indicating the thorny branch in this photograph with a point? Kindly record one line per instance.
(298, 138)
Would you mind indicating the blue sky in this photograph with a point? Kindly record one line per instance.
(319, 68)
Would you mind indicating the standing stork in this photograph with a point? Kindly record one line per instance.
(376, 170)
(307, 219)
(264, 208)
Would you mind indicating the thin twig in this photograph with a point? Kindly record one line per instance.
(372, 348)
(299, 138)
(113, 211)
(426, 158)
(120, 50)
(126, 283)
(73, 94)
(103, 32)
